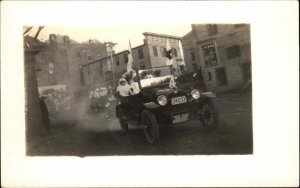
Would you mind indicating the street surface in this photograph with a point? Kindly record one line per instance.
(81, 134)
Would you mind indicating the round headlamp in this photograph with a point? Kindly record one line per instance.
(162, 100)
(195, 94)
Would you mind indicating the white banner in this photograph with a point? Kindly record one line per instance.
(130, 59)
(181, 53)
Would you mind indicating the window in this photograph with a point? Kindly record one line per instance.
(125, 58)
(101, 69)
(194, 66)
(155, 51)
(108, 75)
(78, 54)
(174, 52)
(210, 54)
(141, 54)
(221, 76)
(82, 82)
(163, 52)
(117, 60)
(209, 78)
(233, 52)
(181, 67)
(193, 56)
(142, 66)
(212, 29)
(246, 71)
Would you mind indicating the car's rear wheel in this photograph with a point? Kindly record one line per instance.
(208, 115)
(150, 126)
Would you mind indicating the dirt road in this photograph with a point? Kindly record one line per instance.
(80, 134)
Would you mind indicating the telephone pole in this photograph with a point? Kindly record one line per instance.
(109, 48)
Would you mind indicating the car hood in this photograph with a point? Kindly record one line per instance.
(164, 90)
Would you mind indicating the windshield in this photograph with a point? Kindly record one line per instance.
(155, 76)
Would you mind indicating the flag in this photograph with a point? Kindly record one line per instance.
(169, 61)
(181, 52)
(130, 59)
(168, 54)
(172, 83)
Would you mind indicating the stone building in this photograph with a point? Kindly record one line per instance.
(59, 62)
(33, 114)
(222, 52)
(150, 54)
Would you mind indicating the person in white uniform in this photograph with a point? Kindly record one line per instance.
(124, 88)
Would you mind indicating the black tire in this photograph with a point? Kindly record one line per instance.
(208, 115)
(150, 126)
(123, 124)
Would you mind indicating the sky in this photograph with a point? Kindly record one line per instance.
(120, 34)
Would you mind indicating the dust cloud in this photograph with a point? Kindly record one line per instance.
(79, 117)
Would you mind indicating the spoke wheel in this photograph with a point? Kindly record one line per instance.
(150, 126)
(208, 116)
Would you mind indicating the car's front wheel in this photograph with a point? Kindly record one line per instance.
(208, 115)
(150, 126)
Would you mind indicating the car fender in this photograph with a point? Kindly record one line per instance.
(150, 105)
(208, 94)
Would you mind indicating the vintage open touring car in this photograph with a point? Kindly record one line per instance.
(158, 103)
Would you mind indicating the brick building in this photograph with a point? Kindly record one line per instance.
(222, 52)
(148, 55)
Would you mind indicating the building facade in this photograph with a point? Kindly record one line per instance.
(104, 70)
(190, 51)
(222, 52)
(156, 45)
(59, 62)
(150, 54)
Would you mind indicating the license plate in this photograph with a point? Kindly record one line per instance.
(178, 100)
(180, 118)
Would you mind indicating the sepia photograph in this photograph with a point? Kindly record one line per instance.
(184, 92)
(149, 94)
